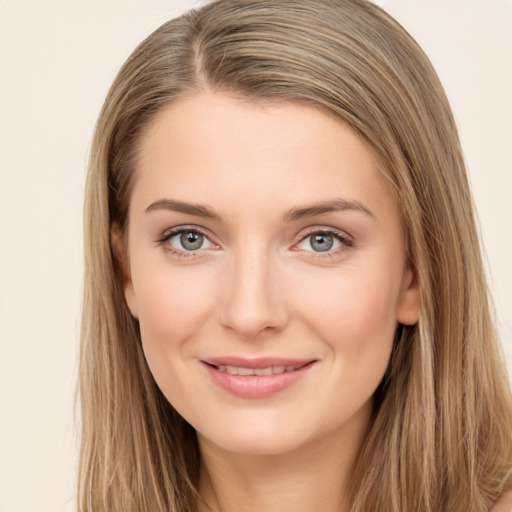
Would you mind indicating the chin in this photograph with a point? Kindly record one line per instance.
(255, 437)
(254, 444)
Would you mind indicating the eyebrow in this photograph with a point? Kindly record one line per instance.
(333, 205)
(182, 207)
(294, 214)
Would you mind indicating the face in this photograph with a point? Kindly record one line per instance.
(266, 265)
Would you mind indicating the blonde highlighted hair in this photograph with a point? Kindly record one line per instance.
(440, 438)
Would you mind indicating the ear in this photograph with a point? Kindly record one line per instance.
(409, 301)
(122, 261)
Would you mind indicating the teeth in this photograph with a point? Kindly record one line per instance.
(263, 371)
(270, 370)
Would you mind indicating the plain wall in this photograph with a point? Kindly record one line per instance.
(57, 60)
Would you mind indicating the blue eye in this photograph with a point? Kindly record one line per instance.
(323, 241)
(191, 241)
(187, 240)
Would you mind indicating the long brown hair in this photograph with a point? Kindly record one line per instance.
(440, 439)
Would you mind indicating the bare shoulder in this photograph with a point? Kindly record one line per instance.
(504, 504)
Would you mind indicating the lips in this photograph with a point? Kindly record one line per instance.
(269, 370)
(256, 378)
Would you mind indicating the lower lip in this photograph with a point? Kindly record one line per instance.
(256, 386)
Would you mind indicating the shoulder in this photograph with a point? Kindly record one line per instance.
(504, 504)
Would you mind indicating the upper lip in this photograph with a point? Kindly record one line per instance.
(259, 362)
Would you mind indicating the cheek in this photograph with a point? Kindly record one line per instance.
(172, 304)
(354, 312)
(353, 299)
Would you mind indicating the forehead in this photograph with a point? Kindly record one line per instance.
(217, 147)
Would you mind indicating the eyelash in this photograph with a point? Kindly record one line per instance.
(170, 233)
(346, 241)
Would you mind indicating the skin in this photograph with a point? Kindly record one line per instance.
(257, 287)
(504, 504)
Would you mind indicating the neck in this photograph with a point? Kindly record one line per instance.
(310, 478)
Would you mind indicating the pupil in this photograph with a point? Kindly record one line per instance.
(191, 240)
(322, 242)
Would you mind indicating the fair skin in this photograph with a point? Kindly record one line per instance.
(264, 241)
(504, 504)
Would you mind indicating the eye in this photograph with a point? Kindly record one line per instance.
(189, 240)
(324, 241)
(185, 240)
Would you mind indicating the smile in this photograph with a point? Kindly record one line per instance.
(269, 370)
(260, 378)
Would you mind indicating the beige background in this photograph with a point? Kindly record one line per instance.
(57, 59)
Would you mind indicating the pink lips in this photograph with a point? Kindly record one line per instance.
(273, 374)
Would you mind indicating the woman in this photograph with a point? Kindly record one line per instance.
(285, 306)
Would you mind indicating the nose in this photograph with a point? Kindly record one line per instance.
(254, 300)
